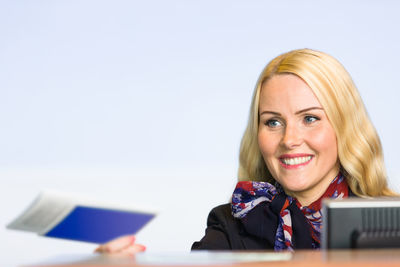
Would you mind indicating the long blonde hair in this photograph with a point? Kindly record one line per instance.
(359, 148)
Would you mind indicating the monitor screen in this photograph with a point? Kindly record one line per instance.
(361, 223)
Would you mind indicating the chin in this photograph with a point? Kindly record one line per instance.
(295, 187)
(295, 180)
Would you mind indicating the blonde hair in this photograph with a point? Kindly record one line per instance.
(359, 148)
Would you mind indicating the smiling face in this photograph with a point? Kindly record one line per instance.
(296, 139)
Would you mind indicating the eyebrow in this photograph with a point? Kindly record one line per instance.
(297, 112)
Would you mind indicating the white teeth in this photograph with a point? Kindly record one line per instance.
(296, 161)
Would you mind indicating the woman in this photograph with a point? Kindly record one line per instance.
(308, 137)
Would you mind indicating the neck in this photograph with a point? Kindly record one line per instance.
(305, 200)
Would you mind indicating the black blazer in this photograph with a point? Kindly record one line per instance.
(256, 230)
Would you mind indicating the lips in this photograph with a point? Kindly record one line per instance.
(290, 161)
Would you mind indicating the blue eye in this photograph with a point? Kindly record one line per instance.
(272, 123)
(310, 119)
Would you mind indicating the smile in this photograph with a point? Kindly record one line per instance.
(294, 161)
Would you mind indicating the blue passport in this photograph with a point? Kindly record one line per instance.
(98, 225)
(60, 216)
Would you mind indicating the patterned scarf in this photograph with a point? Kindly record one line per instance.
(249, 194)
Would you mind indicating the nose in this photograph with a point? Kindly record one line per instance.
(292, 137)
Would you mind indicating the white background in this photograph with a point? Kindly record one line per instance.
(145, 102)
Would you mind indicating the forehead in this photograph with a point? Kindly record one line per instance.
(287, 91)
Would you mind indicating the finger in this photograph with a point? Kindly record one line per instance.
(97, 250)
(132, 250)
(117, 244)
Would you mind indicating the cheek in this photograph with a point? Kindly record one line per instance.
(324, 141)
(267, 144)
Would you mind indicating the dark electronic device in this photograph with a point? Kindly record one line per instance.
(361, 223)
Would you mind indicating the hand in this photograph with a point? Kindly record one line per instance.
(124, 245)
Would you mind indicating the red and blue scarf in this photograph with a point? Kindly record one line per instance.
(249, 194)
